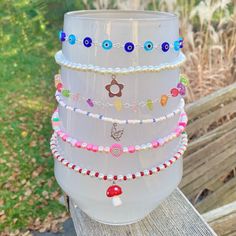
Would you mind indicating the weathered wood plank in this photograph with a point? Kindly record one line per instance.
(204, 122)
(211, 101)
(223, 219)
(175, 216)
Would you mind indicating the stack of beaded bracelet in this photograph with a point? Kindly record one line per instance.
(118, 177)
(116, 149)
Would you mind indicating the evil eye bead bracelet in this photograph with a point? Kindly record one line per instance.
(128, 46)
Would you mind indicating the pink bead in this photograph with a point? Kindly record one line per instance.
(116, 150)
(182, 124)
(89, 147)
(95, 148)
(131, 149)
(59, 133)
(178, 131)
(64, 137)
(78, 144)
(155, 144)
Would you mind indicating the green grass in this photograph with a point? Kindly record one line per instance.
(28, 189)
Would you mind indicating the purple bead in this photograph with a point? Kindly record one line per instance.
(165, 46)
(129, 47)
(182, 91)
(87, 42)
(62, 36)
(180, 85)
(90, 102)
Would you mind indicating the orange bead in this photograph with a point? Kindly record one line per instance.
(164, 99)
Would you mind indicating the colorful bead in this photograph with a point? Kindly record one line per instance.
(55, 119)
(182, 90)
(95, 148)
(164, 99)
(118, 104)
(107, 44)
(57, 79)
(129, 47)
(176, 45)
(65, 93)
(90, 102)
(62, 36)
(72, 39)
(116, 150)
(148, 45)
(155, 144)
(87, 42)
(174, 92)
(165, 46)
(184, 80)
(131, 149)
(181, 41)
(149, 104)
(59, 87)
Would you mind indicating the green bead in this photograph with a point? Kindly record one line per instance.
(149, 104)
(66, 93)
(184, 80)
(55, 119)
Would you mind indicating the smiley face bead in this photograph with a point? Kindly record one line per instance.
(107, 44)
(87, 42)
(148, 46)
(72, 39)
(165, 47)
(129, 47)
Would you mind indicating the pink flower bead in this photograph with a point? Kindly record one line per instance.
(78, 144)
(131, 149)
(95, 148)
(155, 144)
(89, 147)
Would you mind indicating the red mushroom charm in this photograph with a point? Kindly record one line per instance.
(114, 192)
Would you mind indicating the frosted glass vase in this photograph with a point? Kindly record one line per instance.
(142, 195)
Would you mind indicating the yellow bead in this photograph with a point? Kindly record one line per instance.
(149, 104)
(163, 100)
(118, 104)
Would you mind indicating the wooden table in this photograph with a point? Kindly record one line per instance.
(175, 216)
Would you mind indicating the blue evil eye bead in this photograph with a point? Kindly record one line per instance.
(165, 46)
(107, 44)
(87, 42)
(129, 47)
(72, 39)
(181, 41)
(148, 45)
(62, 36)
(176, 45)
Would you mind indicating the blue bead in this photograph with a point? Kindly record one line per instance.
(148, 45)
(181, 42)
(165, 46)
(129, 47)
(62, 36)
(72, 39)
(107, 44)
(176, 45)
(87, 42)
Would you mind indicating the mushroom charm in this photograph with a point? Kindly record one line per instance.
(114, 191)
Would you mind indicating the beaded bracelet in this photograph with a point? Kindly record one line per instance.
(118, 105)
(61, 60)
(114, 191)
(118, 121)
(116, 149)
(107, 44)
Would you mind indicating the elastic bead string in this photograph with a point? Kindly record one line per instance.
(61, 60)
(119, 177)
(117, 149)
(60, 100)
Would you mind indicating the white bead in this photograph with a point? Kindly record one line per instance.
(146, 172)
(100, 148)
(125, 149)
(84, 171)
(120, 177)
(92, 173)
(129, 176)
(154, 169)
(84, 145)
(137, 174)
(107, 149)
(110, 177)
(77, 168)
(100, 176)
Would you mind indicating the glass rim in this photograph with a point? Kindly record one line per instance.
(121, 15)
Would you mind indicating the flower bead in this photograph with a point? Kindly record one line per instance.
(148, 46)
(129, 47)
(87, 42)
(72, 39)
(107, 44)
(116, 150)
(62, 36)
(114, 85)
(165, 46)
(176, 45)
